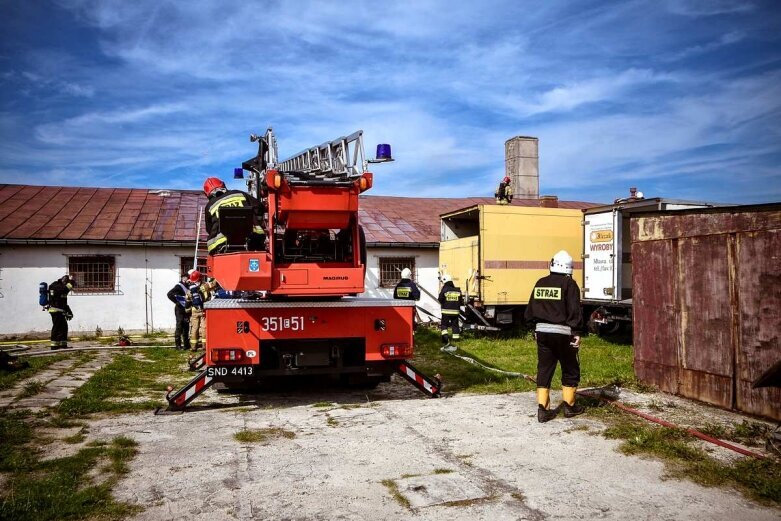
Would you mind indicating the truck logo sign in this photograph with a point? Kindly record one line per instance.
(254, 265)
(601, 236)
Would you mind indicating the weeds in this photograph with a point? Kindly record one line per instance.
(9, 378)
(57, 488)
(262, 435)
(31, 389)
(393, 488)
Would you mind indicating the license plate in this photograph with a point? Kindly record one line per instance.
(232, 370)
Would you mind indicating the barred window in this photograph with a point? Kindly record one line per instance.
(390, 270)
(93, 273)
(186, 264)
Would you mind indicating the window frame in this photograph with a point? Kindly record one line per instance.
(111, 286)
(186, 264)
(388, 264)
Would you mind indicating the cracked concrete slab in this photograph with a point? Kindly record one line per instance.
(436, 489)
(191, 465)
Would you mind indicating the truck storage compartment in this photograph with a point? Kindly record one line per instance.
(333, 355)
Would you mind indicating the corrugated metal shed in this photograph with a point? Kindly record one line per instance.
(707, 304)
(53, 213)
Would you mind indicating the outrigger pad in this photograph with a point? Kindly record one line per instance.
(429, 386)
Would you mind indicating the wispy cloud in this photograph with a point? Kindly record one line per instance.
(665, 95)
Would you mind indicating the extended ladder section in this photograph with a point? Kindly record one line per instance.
(338, 160)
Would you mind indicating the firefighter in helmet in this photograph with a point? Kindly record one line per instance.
(555, 313)
(60, 311)
(220, 197)
(451, 300)
(504, 194)
(406, 289)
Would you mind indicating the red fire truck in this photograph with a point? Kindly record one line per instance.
(294, 306)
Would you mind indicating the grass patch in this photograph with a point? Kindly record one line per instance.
(393, 488)
(331, 421)
(126, 377)
(263, 435)
(602, 362)
(322, 404)
(443, 471)
(758, 479)
(58, 488)
(32, 388)
(37, 364)
(155, 334)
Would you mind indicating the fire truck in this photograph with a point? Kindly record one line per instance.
(294, 306)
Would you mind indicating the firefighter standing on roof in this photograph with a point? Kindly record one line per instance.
(220, 197)
(554, 311)
(504, 194)
(451, 299)
(60, 311)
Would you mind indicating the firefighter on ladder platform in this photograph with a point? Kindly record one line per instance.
(504, 194)
(554, 311)
(451, 300)
(220, 197)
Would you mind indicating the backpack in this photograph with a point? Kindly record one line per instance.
(43, 294)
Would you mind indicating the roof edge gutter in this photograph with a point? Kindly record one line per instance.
(96, 242)
(402, 245)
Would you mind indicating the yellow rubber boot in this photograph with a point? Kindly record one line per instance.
(543, 400)
(568, 402)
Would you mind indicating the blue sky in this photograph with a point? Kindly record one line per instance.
(680, 98)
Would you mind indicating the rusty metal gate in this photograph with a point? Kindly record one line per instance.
(707, 304)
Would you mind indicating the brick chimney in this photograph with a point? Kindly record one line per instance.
(549, 201)
(521, 163)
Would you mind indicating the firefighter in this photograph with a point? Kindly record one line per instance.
(220, 197)
(406, 289)
(60, 311)
(450, 299)
(554, 311)
(504, 194)
(182, 299)
(196, 317)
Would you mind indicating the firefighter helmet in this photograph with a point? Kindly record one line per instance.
(406, 273)
(561, 263)
(195, 275)
(446, 278)
(211, 184)
(506, 180)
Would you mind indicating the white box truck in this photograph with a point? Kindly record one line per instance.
(607, 258)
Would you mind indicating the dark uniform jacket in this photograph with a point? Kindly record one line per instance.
(406, 290)
(178, 295)
(229, 199)
(451, 299)
(58, 297)
(555, 299)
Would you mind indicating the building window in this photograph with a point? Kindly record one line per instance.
(93, 273)
(390, 270)
(186, 264)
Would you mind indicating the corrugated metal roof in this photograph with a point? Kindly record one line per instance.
(40, 213)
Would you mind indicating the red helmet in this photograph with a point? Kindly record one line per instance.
(195, 276)
(506, 179)
(211, 184)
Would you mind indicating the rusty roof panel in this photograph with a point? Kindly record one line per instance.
(706, 307)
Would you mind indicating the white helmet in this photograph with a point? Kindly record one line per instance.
(561, 263)
(446, 278)
(406, 273)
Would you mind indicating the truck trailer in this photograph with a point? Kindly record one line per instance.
(496, 253)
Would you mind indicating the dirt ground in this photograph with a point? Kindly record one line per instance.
(392, 454)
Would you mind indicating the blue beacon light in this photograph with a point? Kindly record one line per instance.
(238, 173)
